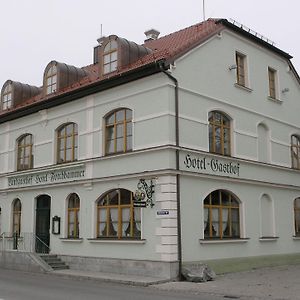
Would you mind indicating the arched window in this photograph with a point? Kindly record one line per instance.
(7, 97)
(295, 151)
(17, 209)
(221, 215)
(67, 143)
(116, 216)
(73, 216)
(110, 57)
(297, 216)
(51, 80)
(219, 133)
(118, 131)
(24, 152)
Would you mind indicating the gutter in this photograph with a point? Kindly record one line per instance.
(179, 236)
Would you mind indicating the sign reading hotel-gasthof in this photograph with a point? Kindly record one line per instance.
(209, 165)
(57, 175)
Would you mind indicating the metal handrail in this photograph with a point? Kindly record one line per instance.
(43, 243)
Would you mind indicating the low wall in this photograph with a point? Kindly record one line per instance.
(221, 266)
(159, 269)
(22, 261)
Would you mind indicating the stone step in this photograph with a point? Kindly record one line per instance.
(54, 261)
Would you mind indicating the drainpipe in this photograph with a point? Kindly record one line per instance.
(179, 239)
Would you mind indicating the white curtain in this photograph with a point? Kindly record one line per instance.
(114, 218)
(205, 217)
(102, 222)
(125, 221)
(137, 218)
(224, 219)
(215, 221)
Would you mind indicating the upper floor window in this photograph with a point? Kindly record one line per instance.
(7, 97)
(24, 152)
(67, 143)
(241, 75)
(51, 80)
(110, 57)
(272, 83)
(118, 131)
(297, 216)
(219, 133)
(116, 216)
(295, 151)
(17, 209)
(221, 215)
(73, 216)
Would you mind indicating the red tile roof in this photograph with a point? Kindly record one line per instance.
(167, 48)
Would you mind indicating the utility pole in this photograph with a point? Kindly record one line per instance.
(203, 6)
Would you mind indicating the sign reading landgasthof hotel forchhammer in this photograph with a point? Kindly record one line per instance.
(49, 176)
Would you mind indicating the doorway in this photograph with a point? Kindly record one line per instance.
(42, 224)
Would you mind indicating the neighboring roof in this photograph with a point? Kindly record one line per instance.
(165, 49)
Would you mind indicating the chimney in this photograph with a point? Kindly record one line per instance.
(151, 34)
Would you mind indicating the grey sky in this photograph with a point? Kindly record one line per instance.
(34, 32)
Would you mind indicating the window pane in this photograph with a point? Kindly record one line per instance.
(120, 130)
(120, 144)
(129, 143)
(114, 66)
(129, 129)
(120, 115)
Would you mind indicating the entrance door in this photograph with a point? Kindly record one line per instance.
(42, 224)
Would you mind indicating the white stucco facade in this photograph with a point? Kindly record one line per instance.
(258, 172)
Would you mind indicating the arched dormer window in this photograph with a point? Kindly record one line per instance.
(67, 143)
(24, 152)
(295, 151)
(51, 80)
(6, 101)
(110, 57)
(221, 215)
(219, 133)
(118, 131)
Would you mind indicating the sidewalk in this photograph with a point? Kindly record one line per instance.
(282, 282)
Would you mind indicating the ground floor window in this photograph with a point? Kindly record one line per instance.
(221, 215)
(297, 216)
(116, 216)
(17, 208)
(73, 216)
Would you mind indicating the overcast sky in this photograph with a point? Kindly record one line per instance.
(34, 32)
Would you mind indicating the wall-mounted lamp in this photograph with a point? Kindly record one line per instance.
(56, 225)
(285, 90)
(232, 67)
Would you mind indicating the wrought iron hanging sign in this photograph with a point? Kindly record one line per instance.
(143, 194)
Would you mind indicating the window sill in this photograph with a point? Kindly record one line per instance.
(224, 241)
(72, 240)
(296, 237)
(247, 89)
(275, 100)
(115, 241)
(268, 238)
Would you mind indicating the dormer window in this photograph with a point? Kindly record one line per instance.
(51, 80)
(7, 97)
(110, 57)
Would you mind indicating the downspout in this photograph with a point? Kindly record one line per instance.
(179, 237)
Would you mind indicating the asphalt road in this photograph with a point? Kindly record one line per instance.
(15, 285)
